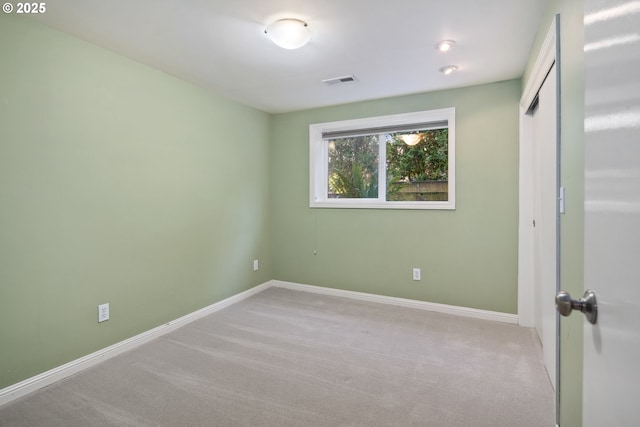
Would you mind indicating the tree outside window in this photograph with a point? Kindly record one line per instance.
(399, 161)
(353, 167)
(417, 172)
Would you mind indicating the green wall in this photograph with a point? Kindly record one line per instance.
(468, 256)
(118, 184)
(572, 177)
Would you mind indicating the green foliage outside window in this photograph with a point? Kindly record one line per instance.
(409, 165)
(425, 161)
(353, 165)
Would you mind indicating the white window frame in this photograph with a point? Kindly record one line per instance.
(319, 165)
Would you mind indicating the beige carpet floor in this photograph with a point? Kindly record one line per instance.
(291, 358)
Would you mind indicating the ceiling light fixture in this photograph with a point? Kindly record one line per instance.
(445, 45)
(448, 69)
(411, 138)
(289, 33)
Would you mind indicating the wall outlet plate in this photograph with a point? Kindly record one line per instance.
(103, 312)
(416, 274)
(255, 265)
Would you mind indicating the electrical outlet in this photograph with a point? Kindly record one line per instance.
(103, 312)
(255, 265)
(416, 274)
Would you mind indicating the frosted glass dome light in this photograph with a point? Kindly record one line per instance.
(411, 138)
(289, 33)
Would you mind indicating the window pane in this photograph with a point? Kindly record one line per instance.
(353, 167)
(349, 167)
(417, 166)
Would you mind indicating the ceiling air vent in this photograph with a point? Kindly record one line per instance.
(340, 80)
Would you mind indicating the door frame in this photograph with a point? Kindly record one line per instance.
(548, 55)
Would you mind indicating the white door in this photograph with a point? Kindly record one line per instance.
(545, 213)
(612, 212)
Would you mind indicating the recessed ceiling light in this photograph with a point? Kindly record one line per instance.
(448, 69)
(289, 33)
(445, 45)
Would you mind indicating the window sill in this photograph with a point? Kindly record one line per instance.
(376, 204)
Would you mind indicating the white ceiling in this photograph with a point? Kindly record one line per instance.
(387, 44)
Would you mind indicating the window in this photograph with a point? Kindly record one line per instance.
(402, 161)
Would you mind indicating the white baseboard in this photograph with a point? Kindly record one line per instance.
(403, 302)
(44, 379)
